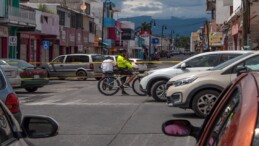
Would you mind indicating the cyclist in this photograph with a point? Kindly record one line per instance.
(125, 68)
(107, 66)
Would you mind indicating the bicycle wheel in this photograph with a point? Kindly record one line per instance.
(108, 86)
(136, 87)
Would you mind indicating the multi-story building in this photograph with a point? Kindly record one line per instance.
(12, 18)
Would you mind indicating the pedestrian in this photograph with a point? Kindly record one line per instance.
(125, 68)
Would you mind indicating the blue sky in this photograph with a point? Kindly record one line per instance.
(162, 9)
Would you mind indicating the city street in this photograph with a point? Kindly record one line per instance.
(88, 118)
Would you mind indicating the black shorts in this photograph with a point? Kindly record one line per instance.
(123, 71)
(127, 72)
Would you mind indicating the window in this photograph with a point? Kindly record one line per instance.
(203, 61)
(224, 118)
(88, 9)
(73, 20)
(71, 59)
(5, 127)
(97, 58)
(58, 60)
(61, 15)
(226, 57)
(251, 63)
(91, 27)
(83, 58)
(79, 21)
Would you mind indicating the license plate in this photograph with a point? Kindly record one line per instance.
(36, 76)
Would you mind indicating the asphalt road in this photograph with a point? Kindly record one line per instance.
(88, 118)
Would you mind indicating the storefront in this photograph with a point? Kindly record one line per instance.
(30, 48)
(3, 41)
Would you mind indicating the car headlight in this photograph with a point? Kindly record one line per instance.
(181, 82)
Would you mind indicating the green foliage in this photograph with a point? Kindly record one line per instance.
(182, 42)
(145, 26)
(43, 8)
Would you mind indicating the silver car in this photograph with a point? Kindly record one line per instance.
(81, 66)
(12, 73)
(8, 96)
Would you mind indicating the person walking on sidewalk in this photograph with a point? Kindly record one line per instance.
(125, 68)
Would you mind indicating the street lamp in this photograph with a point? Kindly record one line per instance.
(104, 4)
(163, 27)
(152, 23)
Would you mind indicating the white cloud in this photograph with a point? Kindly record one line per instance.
(162, 8)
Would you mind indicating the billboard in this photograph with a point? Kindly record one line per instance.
(127, 34)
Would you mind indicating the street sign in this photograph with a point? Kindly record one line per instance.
(12, 40)
(155, 41)
(45, 45)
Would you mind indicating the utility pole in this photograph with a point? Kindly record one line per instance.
(208, 34)
(246, 22)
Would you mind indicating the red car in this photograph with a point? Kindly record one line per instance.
(234, 120)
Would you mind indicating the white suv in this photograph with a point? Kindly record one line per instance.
(200, 90)
(155, 80)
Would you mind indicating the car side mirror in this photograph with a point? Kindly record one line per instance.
(39, 126)
(241, 69)
(180, 128)
(183, 66)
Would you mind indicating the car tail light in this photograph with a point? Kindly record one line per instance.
(92, 66)
(25, 73)
(12, 103)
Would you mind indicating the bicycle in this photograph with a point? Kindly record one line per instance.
(110, 85)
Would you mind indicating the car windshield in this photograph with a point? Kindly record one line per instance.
(19, 63)
(227, 63)
(3, 62)
(97, 58)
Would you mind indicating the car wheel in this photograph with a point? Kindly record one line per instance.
(158, 91)
(203, 102)
(31, 89)
(81, 75)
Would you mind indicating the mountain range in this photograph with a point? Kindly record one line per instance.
(180, 26)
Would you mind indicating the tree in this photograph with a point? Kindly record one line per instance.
(145, 26)
(43, 8)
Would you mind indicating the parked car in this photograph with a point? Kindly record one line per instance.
(12, 73)
(175, 52)
(14, 134)
(82, 66)
(32, 77)
(9, 97)
(138, 64)
(233, 120)
(155, 80)
(199, 90)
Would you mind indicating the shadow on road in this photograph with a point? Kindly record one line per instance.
(25, 92)
(186, 115)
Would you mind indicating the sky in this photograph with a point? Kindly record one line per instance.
(162, 9)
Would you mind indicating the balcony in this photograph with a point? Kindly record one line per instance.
(19, 17)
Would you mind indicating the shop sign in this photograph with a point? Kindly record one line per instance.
(3, 31)
(216, 38)
(145, 33)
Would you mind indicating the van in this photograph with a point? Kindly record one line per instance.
(80, 66)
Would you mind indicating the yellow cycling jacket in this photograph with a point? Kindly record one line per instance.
(123, 63)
